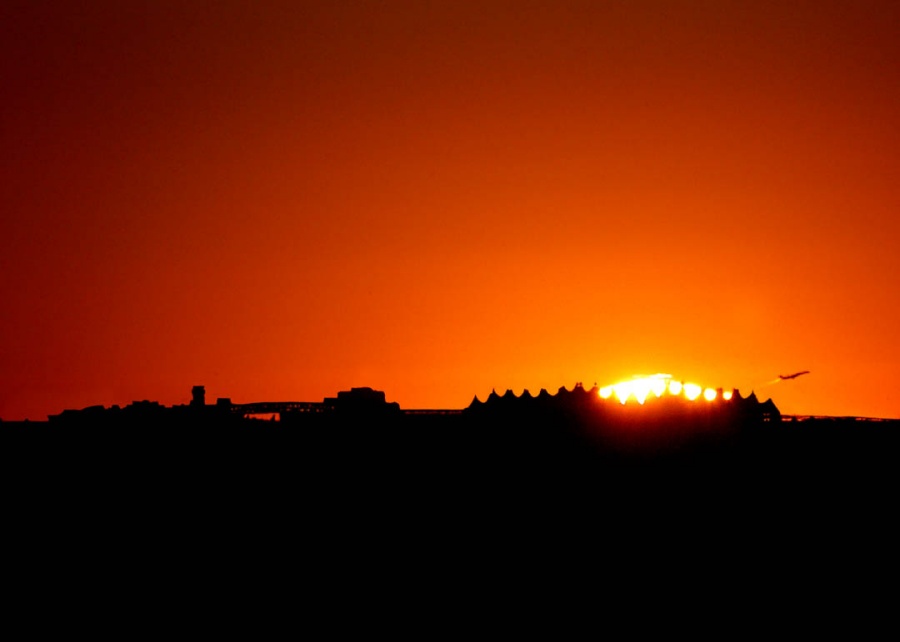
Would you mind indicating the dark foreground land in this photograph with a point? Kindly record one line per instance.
(362, 442)
(699, 503)
(357, 462)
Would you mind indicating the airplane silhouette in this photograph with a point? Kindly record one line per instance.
(793, 376)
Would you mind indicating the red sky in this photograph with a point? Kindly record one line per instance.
(281, 200)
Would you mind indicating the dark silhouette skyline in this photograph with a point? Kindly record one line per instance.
(355, 472)
(571, 430)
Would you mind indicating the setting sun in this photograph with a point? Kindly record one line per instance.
(639, 388)
(692, 391)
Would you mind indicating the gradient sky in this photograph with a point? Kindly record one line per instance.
(281, 200)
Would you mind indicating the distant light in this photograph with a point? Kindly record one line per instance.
(675, 387)
(623, 390)
(709, 394)
(727, 395)
(658, 386)
(692, 391)
(606, 392)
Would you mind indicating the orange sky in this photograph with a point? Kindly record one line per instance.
(280, 200)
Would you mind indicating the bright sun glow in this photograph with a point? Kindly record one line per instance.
(640, 387)
(692, 391)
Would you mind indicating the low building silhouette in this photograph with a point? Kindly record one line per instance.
(571, 429)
